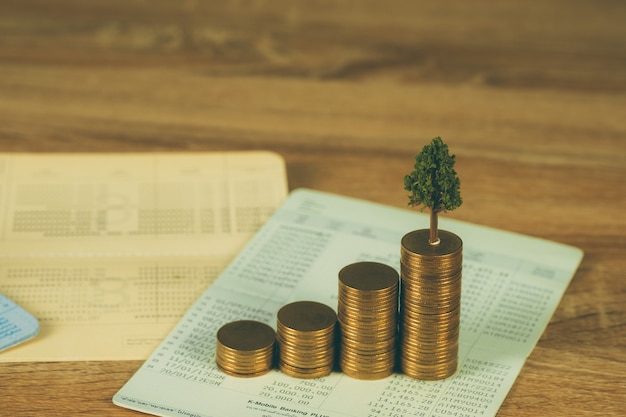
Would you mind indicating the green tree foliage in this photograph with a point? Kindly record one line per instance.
(434, 182)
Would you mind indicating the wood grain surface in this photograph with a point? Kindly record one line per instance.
(530, 96)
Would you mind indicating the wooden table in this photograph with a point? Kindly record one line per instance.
(530, 96)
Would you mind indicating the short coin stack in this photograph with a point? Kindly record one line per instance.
(430, 304)
(367, 315)
(306, 339)
(245, 348)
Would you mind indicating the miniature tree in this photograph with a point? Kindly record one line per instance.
(434, 183)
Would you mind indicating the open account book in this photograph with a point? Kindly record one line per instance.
(108, 251)
(511, 286)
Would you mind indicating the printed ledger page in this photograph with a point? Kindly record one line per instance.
(108, 251)
(511, 286)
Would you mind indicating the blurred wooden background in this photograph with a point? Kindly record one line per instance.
(530, 96)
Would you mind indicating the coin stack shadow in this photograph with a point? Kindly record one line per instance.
(306, 338)
(367, 313)
(245, 348)
(430, 304)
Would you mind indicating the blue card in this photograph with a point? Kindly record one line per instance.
(16, 324)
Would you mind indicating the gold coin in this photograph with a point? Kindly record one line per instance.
(305, 373)
(428, 373)
(307, 362)
(246, 335)
(370, 345)
(368, 325)
(372, 310)
(314, 337)
(430, 300)
(366, 339)
(370, 376)
(417, 242)
(306, 339)
(376, 365)
(368, 277)
(367, 314)
(307, 316)
(242, 375)
(245, 348)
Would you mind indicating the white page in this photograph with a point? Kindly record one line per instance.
(108, 251)
(511, 287)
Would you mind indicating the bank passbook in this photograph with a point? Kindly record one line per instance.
(16, 324)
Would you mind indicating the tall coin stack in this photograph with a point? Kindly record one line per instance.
(367, 315)
(245, 348)
(306, 339)
(430, 304)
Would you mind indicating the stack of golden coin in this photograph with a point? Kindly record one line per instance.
(245, 348)
(306, 339)
(430, 304)
(367, 313)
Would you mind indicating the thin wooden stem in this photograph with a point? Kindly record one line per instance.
(434, 232)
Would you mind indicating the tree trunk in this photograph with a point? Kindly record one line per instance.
(434, 232)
